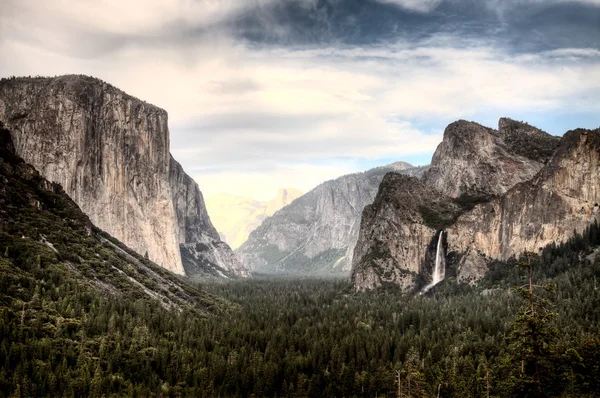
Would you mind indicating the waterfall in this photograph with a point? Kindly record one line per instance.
(439, 272)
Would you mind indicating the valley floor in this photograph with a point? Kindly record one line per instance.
(304, 337)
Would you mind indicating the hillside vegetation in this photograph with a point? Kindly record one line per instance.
(81, 315)
(76, 306)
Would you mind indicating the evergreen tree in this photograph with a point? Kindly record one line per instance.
(532, 338)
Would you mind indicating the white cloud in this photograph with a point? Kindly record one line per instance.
(264, 187)
(129, 17)
(414, 5)
(248, 120)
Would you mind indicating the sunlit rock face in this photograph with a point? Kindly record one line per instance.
(563, 197)
(110, 152)
(317, 232)
(475, 162)
(515, 189)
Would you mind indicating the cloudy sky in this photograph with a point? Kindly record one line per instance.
(270, 93)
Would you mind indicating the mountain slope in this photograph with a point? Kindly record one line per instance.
(473, 169)
(562, 198)
(79, 311)
(317, 232)
(110, 152)
(236, 216)
(43, 233)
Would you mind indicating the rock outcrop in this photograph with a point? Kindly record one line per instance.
(202, 251)
(563, 197)
(508, 191)
(527, 141)
(317, 232)
(110, 152)
(474, 162)
(193, 222)
(398, 231)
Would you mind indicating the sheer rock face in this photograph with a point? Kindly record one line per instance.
(397, 232)
(317, 232)
(202, 251)
(563, 197)
(193, 221)
(207, 257)
(110, 152)
(560, 196)
(478, 162)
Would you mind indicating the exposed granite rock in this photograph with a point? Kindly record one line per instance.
(472, 266)
(563, 197)
(110, 152)
(317, 232)
(196, 231)
(398, 234)
(476, 162)
(39, 221)
(207, 257)
(193, 221)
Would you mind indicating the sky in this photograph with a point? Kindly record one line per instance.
(264, 94)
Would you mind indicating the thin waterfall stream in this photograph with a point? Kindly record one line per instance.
(439, 272)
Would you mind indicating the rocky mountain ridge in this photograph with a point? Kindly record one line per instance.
(468, 193)
(316, 233)
(562, 198)
(110, 152)
(479, 162)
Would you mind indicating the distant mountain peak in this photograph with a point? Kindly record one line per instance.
(316, 233)
(236, 216)
(399, 166)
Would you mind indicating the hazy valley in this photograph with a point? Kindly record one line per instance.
(398, 230)
(375, 198)
(236, 216)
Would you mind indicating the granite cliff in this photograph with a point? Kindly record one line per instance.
(496, 193)
(397, 231)
(110, 153)
(561, 198)
(49, 244)
(478, 162)
(316, 233)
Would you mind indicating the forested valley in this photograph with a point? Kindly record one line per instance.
(303, 337)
